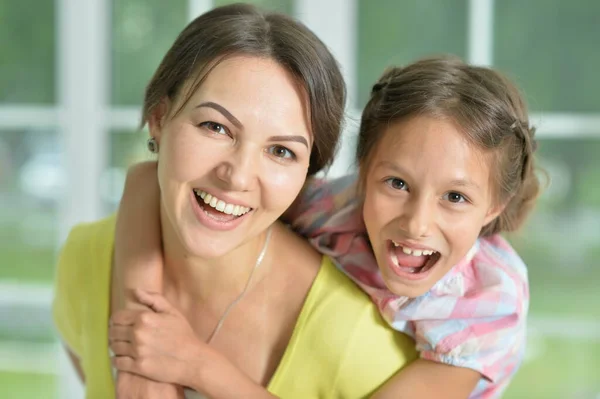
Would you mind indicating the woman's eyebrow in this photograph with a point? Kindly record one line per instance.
(297, 139)
(223, 111)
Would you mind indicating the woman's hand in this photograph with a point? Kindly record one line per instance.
(159, 344)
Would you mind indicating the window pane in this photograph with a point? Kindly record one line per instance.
(557, 367)
(29, 385)
(283, 6)
(551, 48)
(27, 40)
(561, 247)
(561, 242)
(392, 32)
(143, 31)
(31, 185)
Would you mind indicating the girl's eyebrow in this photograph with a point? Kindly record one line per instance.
(390, 165)
(464, 183)
(223, 111)
(460, 182)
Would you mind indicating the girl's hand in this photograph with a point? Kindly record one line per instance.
(131, 386)
(159, 344)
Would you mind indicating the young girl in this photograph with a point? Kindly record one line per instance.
(445, 156)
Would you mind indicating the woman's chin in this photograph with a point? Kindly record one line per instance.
(207, 248)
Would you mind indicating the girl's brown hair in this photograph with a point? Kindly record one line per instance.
(242, 29)
(487, 107)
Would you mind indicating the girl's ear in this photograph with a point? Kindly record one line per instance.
(157, 119)
(493, 212)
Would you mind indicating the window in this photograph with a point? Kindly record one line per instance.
(395, 32)
(31, 187)
(549, 47)
(142, 32)
(28, 60)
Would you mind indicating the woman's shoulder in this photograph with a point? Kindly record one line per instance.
(294, 252)
(88, 244)
(83, 268)
(357, 350)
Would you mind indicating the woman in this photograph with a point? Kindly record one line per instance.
(242, 108)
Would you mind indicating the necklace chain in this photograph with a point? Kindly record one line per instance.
(259, 260)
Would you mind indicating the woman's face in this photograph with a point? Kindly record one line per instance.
(236, 156)
(427, 196)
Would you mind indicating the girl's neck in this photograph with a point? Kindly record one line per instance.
(190, 279)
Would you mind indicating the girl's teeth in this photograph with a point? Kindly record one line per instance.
(220, 205)
(414, 252)
(394, 259)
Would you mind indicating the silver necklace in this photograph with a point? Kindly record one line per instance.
(259, 260)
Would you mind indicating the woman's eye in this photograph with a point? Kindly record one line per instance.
(395, 183)
(279, 151)
(214, 127)
(455, 198)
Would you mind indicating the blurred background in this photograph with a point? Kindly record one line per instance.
(72, 75)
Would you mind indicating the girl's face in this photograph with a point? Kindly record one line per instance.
(427, 196)
(234, 159)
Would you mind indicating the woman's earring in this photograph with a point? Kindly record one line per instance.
(152, 145)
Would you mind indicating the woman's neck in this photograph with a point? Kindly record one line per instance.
(215, 282)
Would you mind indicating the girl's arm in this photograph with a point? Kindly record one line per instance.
(426, 379)
(138, 261)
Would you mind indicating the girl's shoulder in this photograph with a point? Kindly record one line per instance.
(496, 252)
(491, 268)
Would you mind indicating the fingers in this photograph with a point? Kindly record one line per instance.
(124, 363)
(122, 348)
(120, 333)
(153, 300)
(125, 317)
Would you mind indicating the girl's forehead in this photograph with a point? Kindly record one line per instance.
(433, 146)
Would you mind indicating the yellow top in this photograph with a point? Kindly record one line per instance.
(340, 347)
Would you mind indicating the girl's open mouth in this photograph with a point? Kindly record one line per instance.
(411, 263)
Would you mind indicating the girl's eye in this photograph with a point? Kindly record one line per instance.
(395, 183)
(455, 198)
(281, 152)
(214, 127)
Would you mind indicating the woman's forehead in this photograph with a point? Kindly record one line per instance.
(254, 88)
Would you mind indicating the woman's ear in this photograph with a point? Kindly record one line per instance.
(157, 118)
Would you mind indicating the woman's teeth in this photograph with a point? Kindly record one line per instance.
(220, 205)
(413, 252)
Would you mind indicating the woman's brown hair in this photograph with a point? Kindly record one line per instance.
(242, 29)
(489, 110)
